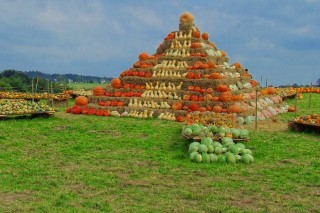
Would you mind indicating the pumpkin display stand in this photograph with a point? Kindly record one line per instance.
(186, 73)
(31, 115)
(305, 123)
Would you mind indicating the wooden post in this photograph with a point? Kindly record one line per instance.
(51, 95)
(32, 91)
(256, 117)
(37, 85)
(295, 104)
(309, 104)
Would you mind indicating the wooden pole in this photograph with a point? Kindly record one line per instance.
(48, 87)
(295, 104)
(37, 85)
(256, 117)
(51, 95)
(309, 104)
(32, 91)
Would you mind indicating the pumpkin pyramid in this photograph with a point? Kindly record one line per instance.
(187, 73)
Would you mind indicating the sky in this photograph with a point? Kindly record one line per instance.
(277, 41)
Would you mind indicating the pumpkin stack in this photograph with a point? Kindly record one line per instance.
(187, 73)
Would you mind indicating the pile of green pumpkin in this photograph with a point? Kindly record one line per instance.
(209, 151)
(199, 130)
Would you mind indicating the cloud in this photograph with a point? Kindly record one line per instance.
(104, 37)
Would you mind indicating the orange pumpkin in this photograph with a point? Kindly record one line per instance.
(176, 106)
(205, 36)
(208, 97)
(234, 109)
(215, 98)
(291, 109)
(212, 65)
(197, 76)
(190, 75)
(98, 91)
(217, 108)
(120, 103)
(195, 45)
(222, 88)
(202, 109)
(117, 94)
(143, 56)
(215, 75)
(196, 34)
(226, 96)
(212, 44)
(193, 107)
(180, 118)
(253, 83)
(271, 90)
(170, 36)
(197, 89)
(237, 65)
(116, 83)
(81, 100)
(238, 97)
(106, 113)
(204, 66)
(194, 98)
(209, 90)
(186, 17)
(99, 112)
(186, 97)
(190, 88)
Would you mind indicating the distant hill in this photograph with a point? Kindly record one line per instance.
(67, 77)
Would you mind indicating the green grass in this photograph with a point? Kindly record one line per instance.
(85, 86)
(70, 163)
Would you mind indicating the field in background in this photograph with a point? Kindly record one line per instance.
(70, 163)
(85, 86)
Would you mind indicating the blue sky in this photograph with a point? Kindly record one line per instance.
(278, 40)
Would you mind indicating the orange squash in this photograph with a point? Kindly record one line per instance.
(116, 83)
(143, 56)
(234, 109)
(98, 91)
(217, 108)
(81, 100)
(195, 45)
(196, 34)
(215, 75)
(226, 96)
(222, 88)
(205, 36)
(212, 65)
(186, 17)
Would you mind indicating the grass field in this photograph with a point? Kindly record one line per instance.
(85, 86)
(70, 163)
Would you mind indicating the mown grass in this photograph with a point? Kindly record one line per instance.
(70, 163)
(85, 86)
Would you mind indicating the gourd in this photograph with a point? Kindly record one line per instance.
(81, 101)
(98, 91)
(116, 83)
(186, 17)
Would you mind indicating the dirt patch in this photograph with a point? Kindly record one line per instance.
(9, 198)
(271, 125)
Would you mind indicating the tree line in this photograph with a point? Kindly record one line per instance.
(14, 80)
